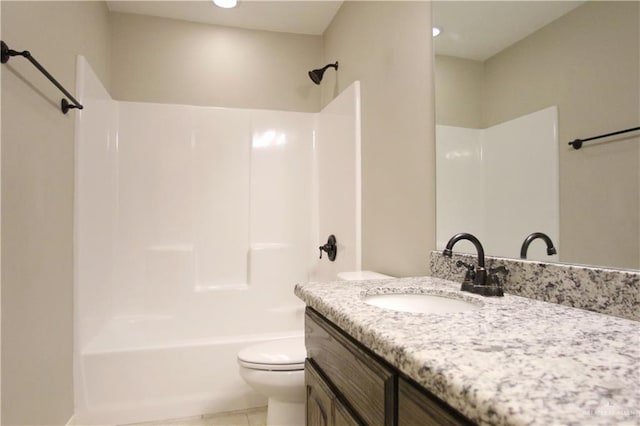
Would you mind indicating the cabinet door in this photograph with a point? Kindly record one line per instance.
(323, 407)
(367, 386)
(342, 415)
(416, 407)
(318, 398)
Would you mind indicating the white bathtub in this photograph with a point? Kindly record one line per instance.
(143, 369)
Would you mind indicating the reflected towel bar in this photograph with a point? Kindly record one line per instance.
(65, 106)
(577, 144)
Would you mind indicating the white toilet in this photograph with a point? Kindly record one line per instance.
(276, 370)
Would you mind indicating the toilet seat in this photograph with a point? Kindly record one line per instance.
(271, 367)
(276, 355)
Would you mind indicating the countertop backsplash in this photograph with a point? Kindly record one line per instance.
(607, 291)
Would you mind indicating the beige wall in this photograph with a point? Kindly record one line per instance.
(388, 47)
(171, 61)
(586, 63)
(459, 91)
(37, 204)
(0, 233)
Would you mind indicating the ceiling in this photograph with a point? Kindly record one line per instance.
(300, 17)
(480, 29)
(470, 29)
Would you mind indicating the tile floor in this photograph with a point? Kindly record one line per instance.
(251, 417)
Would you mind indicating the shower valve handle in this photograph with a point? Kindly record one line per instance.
(330, 247)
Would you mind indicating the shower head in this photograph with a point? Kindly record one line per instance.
(316, 75)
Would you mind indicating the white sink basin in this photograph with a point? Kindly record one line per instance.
(421, 303)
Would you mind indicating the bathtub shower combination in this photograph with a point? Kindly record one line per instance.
(193, 224)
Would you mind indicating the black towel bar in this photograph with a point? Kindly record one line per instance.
(65, 106)
(577, 144)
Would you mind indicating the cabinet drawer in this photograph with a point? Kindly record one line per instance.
(364, 382)
(416, 407)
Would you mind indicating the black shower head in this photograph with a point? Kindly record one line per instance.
(316, 75)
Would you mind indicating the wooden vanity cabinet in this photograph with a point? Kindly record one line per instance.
(349, 385)
(324, 408)
(417, 407)
(361, 382)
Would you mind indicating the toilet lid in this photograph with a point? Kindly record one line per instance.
(282, 354)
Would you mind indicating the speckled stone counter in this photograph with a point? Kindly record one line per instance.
(515, 361)
(608, 291)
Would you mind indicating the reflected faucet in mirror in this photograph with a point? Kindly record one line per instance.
(476, 279)
(551, 250)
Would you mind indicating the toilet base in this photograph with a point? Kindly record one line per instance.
(281, 413)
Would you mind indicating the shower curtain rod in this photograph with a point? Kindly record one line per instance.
(65, 106)
(577, 144)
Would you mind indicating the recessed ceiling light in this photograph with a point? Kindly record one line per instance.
(436, 31)
(226, 4)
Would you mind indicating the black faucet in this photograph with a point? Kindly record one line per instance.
(476, 280)
(480, 277)
(551, 250)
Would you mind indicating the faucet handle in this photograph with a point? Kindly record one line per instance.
(460, 263)
(470, 276)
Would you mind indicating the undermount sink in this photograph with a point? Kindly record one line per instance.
(420, 303)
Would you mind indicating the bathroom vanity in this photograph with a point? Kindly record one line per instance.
(513, 361)
(348, 385)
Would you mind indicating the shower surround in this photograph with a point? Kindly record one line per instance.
(193, 224)
(474, 196)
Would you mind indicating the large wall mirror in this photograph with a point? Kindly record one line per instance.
(515, 82)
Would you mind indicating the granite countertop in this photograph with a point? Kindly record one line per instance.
(515, 361)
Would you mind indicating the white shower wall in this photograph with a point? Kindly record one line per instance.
(204, 194)
(460, 187)
(500, 184)
(337, 177)
(193, 224)
(95, 205)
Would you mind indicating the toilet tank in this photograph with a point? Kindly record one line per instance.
(362, 275)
